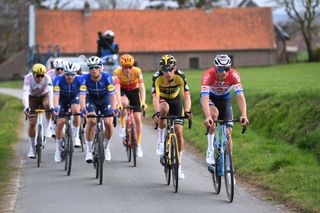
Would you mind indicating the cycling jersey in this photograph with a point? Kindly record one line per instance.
(211, 86)
(98, 90)
(31, 88)
(66, 90)
(128, 82)
(52, 74)
(163, 89)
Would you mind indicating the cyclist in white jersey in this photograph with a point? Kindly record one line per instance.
(37, 92)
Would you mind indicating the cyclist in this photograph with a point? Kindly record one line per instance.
(37, 92)
(167, 83)
(132, 90)
(217, 82)
(97, 95)
(58, 65)
(106, 46)
(66, 96)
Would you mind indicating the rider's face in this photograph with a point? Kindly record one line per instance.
(169, 73)
(127, 69)
(222, 72)
(38, 78)
(95, 71)
(59, 71)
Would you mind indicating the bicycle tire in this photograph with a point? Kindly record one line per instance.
(81, 135)
(128, 146)
(101, 156)
(167, 168)
(175, 164)
(133, 145)
(69, 151)
(228, 173)
(95, 158)
(216, 178)
(38, 145)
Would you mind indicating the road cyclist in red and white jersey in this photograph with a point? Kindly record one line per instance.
(216, 85)
(37, 92)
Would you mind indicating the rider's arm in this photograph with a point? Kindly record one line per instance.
(155, 93)
(82, 96)
(243, 107)
(205, 106)
(187, 102)
(50, 91)
(26, 92)
(142, 92)
(113, 101)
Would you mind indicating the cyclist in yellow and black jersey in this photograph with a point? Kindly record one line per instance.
(167, 85)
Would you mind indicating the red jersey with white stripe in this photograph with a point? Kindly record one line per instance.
(213, 87)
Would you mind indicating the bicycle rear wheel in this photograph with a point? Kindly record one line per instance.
(228, 173)
(38, 145)
(133, 145)
(216, 178)
(174, 163)
(167, 168)
(101, 156)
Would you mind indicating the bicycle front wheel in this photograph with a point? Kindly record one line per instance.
(174, 163)
(167, 168)
(228, 173)
(69, 151)
(101, 156)
(216, 178)
(133, 145)
(39, 145)
(128, 145)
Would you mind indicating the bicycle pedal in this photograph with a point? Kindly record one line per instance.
(211, 168)
(162, 161)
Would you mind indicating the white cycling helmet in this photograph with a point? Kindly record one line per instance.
(222, 60)
(70, 68)
(77, 67)
(109, 33)
(93, 61)
(59, 63)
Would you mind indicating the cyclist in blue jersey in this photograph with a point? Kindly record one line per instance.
(100, 97)
(66, 91)
(107, 48)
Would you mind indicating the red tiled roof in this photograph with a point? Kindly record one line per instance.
(158, 30)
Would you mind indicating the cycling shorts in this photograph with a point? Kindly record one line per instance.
(38, 102)
(134, 98)
(175, 108)
(104, 107)
(224, 107)
(65, 104)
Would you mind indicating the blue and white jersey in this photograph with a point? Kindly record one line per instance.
(64, 89)
(98, 90)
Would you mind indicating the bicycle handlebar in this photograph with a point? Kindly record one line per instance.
(244, 128)
(173, 117)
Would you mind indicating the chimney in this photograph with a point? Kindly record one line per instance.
(86, 9)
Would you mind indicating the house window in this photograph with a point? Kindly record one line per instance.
(194, 63)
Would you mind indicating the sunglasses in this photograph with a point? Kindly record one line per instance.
(70, 74)
(222, 69)
(127, 67)
(59, 69)
(39, 76)
(94, 67)
(167, 69)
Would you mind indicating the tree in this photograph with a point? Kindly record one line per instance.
(304, 13)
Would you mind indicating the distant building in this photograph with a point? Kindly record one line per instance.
(194, 37)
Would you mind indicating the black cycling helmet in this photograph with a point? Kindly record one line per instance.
(167, 61)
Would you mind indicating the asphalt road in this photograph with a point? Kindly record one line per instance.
(125, 188)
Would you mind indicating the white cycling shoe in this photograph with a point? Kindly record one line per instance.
(159, 148)
(57, 157)
(210, 157)
(181, 173)
(107, 154)
(31, 154)
(122, 132)
(89, 158)
(139, 151)
(77, 143)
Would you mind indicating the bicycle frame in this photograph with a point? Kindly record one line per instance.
(40, 122)
(220, 145)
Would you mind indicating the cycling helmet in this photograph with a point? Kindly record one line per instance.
(77, 67)
(93, 61)
(167, 61)
(59, 63)
(126, 60)
(70, 68)
(38, 69)
(222, 60)
(109, 33)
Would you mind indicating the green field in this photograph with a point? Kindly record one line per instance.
(281, 150)
(10, 114)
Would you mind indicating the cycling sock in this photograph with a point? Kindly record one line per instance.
(31, 142)
(180, 157)
(161, 134)
(106, 143)
(210, 142)
(122, 119)
(139, 139)
(75, 132)
(89, 146)
(58, 145)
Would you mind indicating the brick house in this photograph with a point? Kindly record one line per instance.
(194, 37)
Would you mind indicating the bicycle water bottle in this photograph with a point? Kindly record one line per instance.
(221, 161)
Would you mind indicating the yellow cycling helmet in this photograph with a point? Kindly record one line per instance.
(38, 69)
(126, 60)
(167, 61)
